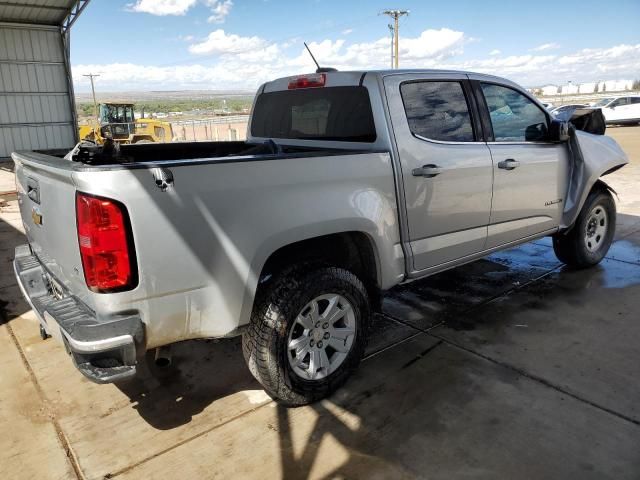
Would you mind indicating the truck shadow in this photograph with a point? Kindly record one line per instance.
(202, 372)
(207, 371)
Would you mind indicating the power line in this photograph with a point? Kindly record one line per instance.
(396, 14)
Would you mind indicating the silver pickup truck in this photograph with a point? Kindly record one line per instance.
(349, 183)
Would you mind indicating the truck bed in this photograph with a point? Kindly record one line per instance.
(137, 154)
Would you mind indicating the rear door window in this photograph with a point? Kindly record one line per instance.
(437, 111)
(514, 117)
(329, 113)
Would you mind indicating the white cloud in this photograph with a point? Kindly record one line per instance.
(219, 43)
(161, 7)
(220, 9)
(545, 46)
(347, 31)
(495, 52)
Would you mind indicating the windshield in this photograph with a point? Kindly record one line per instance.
(603, 102)
(340, 114)
(116, 113)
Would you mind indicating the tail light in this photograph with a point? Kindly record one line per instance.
(308, 81)
(106, 244)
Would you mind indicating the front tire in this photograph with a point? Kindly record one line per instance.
(307, 334)
(590, 238)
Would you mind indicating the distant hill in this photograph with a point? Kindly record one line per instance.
(179, 95)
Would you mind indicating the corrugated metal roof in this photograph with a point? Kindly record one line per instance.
(39, 12)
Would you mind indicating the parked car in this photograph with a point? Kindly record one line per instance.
(620, 110)
(350, 183)
(555, 111)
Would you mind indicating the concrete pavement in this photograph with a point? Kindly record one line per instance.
(510, 367)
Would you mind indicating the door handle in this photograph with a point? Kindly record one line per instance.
(427, 171)
(508, 164)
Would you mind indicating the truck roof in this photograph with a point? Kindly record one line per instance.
(353, 77)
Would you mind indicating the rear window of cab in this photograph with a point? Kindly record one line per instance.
(341, 114)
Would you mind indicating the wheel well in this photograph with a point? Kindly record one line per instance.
(603, 186)
(352, 251)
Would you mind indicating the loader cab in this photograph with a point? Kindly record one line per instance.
(117, 120)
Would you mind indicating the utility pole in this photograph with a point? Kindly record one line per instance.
(396, 14)
(393, 36)
(93, 91)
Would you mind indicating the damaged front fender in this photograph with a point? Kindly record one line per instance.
(592, 156)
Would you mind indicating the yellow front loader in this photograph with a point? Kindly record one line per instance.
(116, 121)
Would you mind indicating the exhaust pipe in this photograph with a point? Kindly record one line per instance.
(163, 356)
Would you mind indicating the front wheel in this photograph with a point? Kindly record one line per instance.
(307, 334)
(590, 238)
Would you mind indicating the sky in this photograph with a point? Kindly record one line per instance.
(151, 45)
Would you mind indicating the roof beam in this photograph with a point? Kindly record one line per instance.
(74, 12)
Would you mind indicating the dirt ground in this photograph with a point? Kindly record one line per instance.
(510, 367)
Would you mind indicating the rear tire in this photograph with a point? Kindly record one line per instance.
(296, 323)
(586, 244)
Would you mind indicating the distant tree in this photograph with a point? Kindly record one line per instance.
(559, 90)
(635, 85)
(595, 88)
(604, 87)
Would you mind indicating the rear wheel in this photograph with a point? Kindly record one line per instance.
(589, 240)
(307, 334)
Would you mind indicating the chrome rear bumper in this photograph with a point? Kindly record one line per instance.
(104, 350)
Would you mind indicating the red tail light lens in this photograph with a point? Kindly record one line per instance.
(106, 246)
(308, 81)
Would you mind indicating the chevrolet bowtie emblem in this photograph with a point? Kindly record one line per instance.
(36, 216)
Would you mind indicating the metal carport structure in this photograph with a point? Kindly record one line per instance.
(37, 107)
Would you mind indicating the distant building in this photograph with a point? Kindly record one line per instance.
(589, 87)
(615, 85)
(549, 90)
(584, 88)
(569, 89)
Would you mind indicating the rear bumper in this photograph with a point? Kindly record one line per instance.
(105, 351)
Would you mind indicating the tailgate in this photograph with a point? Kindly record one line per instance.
(46, 195)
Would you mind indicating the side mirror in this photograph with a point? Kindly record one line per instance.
(558, 131)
